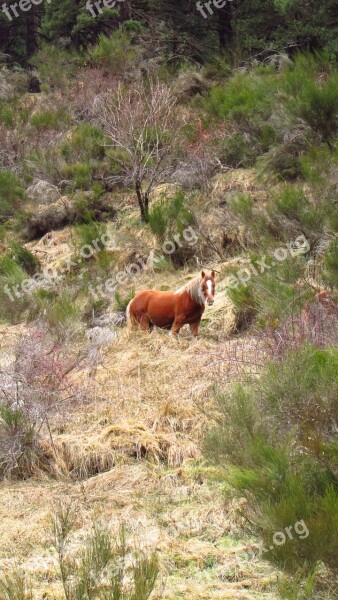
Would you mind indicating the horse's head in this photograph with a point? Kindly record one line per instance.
(208, 287)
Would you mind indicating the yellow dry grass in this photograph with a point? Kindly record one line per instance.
(131, 452)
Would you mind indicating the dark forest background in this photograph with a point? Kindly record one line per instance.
(243, 27)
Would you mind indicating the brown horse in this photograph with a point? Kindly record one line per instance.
(172, 310)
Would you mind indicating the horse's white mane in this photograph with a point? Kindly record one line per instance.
(193, 288)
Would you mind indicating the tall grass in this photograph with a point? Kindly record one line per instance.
(102, 568)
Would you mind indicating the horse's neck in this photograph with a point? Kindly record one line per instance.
(196, 299)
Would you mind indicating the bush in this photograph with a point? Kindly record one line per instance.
(30, 393)
(56, 66)
(114, 52)
(86, 143)
(7, 116)
(90, 234)
(80, 175)
(60, 313)
(277, 444)
(11, 195)
(316, 164)
(293, 204)
(123, 301)
(269, 293)
(170, 216)
(315, 101)
(50, 119)
(245, 304)
(24, 258)
(13, 301)
(102, 568)
(242, 205)
(246, 97)
(331, 264)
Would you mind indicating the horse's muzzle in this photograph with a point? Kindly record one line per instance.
(210, 302)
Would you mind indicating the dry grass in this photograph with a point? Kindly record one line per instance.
(131, 453)
(129, 450)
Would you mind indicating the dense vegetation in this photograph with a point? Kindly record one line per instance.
(136, 115)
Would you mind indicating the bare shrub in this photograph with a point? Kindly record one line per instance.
(32, 389)
(317, 324)
(142, 129)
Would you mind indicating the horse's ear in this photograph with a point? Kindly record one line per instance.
(213, 274)
(203, 274)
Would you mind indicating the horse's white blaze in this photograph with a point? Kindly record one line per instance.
(209, 286)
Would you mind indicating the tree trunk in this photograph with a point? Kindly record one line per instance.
(126, 10)
(4, 35)
(143, 202)
(146, 206)
(225, 29)
(32, 28)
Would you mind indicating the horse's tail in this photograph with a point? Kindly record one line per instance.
(129, 317)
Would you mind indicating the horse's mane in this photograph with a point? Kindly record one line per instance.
(193, 288)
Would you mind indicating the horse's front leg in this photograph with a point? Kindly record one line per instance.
(176, 327)
(194, 328)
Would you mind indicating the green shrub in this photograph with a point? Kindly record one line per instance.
(114, 52)
(80, 175)
(265, 292)
(86, 143)
(61, 313)
(24, 258)
(294, 204)
(316, 163)
(90, 234)
(242, 205)
(56, 66)
(11, 194)
(331, 264)
(315, 101)
(6, 115)
(246, 97)
(275, 439)
(170, 216)
(50, 119)
(102, 568)
(13, 299)
(92, 206)
(245, 303)
(122, 302)
(283, 159)
(158, 218)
